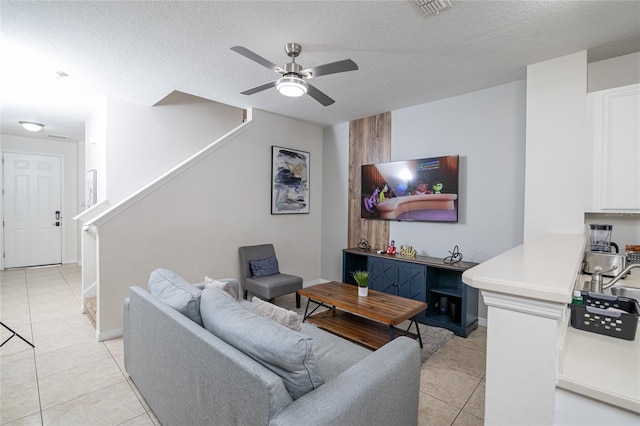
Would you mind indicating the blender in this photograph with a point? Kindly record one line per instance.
(600, 256)
(600, 238)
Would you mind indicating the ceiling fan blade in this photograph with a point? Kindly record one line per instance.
(319, 96)
(332, 68)
(259, 88)
(257, 58)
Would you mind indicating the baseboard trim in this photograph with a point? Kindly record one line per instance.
(108, 335)
(314, 282)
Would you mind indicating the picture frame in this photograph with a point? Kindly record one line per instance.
(92, 188)
(289, 181)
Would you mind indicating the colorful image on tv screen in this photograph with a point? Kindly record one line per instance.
(413, 190)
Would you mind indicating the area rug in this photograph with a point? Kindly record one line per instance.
(433, 338)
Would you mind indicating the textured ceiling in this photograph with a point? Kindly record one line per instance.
(142, 51)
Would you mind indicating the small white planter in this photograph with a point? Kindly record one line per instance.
(363, 291)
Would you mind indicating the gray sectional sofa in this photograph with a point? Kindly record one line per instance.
(191, 376)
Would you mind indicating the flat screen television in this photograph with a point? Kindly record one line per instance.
(413, 190)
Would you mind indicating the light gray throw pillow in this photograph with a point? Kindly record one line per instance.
(176, 292)
(276, 313)
(210, 282)
(286, 352)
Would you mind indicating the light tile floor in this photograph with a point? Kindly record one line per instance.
(71, 379)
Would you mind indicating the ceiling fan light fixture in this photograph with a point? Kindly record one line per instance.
(31, 126)
(292, 86)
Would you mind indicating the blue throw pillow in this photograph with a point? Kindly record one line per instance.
(264, 267)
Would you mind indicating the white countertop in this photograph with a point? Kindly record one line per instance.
(548, 268)
(544, 269)
(603, 367)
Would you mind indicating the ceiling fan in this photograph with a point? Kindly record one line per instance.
(293, 81)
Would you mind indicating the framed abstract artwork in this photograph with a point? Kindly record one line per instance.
(289, 181)
(92, 188)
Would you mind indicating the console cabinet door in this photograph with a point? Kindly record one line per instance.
(399, 278)
(411, 282)
(382, 275)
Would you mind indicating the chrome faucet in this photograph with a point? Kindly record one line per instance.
(596, 278)
(621, 275)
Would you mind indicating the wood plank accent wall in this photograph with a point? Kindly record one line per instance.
(369, 142)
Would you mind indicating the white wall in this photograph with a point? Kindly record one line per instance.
(68, 151)
(195, 223)
(95, 151)
(130, 144)
(486, 128)
(335, 199)
(614, 72)
(556, 146)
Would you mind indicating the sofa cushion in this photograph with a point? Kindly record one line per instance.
(176, 292)
(264, 267)
(226, 286)
(276, 313)
(333, 354)
(286, 352)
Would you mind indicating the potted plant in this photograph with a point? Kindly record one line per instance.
(362, 279)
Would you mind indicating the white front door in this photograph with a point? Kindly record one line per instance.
(32, 212)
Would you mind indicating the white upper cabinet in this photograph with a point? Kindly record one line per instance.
(613, 151)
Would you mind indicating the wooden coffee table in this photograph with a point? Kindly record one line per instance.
(371, 321)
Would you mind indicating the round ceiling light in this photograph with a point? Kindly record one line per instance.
(31, 126)
(291, 86)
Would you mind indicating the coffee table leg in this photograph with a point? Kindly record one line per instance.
(306, 309)
(392, 332)
(417, 331)
(307, 314)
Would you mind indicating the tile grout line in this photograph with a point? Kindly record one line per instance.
(460, 410)
(126, 379)
(77, 398)
(35, 358)
(467, 401)
(124, 374)
(444, 402)
(113, 359)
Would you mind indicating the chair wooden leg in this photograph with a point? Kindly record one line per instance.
(297, 300)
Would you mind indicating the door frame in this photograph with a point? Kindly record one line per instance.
(63, 198)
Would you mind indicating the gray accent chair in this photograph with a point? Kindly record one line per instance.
(270, 286)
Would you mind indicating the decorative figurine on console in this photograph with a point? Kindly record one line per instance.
(455, 257)
(364, 244)
(407, 251)
(391, 249)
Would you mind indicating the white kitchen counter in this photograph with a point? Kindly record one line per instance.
(602, 367)
(543, 269)
(533, 352)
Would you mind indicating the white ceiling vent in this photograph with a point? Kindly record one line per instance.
(52, 136)
(431, 7)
